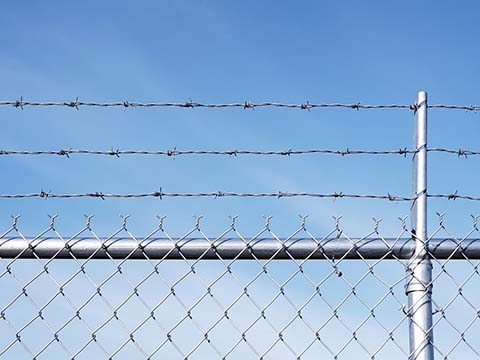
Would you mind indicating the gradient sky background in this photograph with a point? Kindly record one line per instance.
(211, 52)
(216, 52)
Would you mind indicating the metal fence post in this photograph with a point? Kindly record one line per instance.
(419, 270)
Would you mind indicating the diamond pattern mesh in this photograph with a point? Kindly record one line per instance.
(198, 306)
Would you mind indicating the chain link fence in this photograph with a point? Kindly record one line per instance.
(228, 296)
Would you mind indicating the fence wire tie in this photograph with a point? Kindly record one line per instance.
(421, 147)
(413, 107)
(420, 193)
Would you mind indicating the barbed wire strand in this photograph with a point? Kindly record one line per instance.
(190, 104)
(216, 194)
(176, 152)
(455, 107)
(454, 196)
(458, 152)
(246, 105)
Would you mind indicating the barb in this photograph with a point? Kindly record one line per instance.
(190, 104)
(215, 194)
(175, 152)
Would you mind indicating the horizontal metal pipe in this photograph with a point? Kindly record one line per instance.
(230, 248)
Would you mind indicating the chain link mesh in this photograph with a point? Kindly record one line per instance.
(455, 298)
(193, 307)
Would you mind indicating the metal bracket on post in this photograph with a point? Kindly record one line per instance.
(419, 270)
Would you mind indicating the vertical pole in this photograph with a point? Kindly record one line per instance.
(419, 270)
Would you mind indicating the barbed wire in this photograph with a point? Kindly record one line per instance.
(175, 152)
(245, 105)
(459, 152)
(215, 194)
(234, 152)
(455, 107)
(454, 196)
(190, 104)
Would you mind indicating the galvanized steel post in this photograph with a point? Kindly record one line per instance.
(419, 271)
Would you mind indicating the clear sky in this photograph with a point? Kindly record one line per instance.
(213, 51)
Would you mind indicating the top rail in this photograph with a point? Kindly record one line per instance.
(233, 248)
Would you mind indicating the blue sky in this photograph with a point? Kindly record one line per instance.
(380, 52)
(213, 52)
